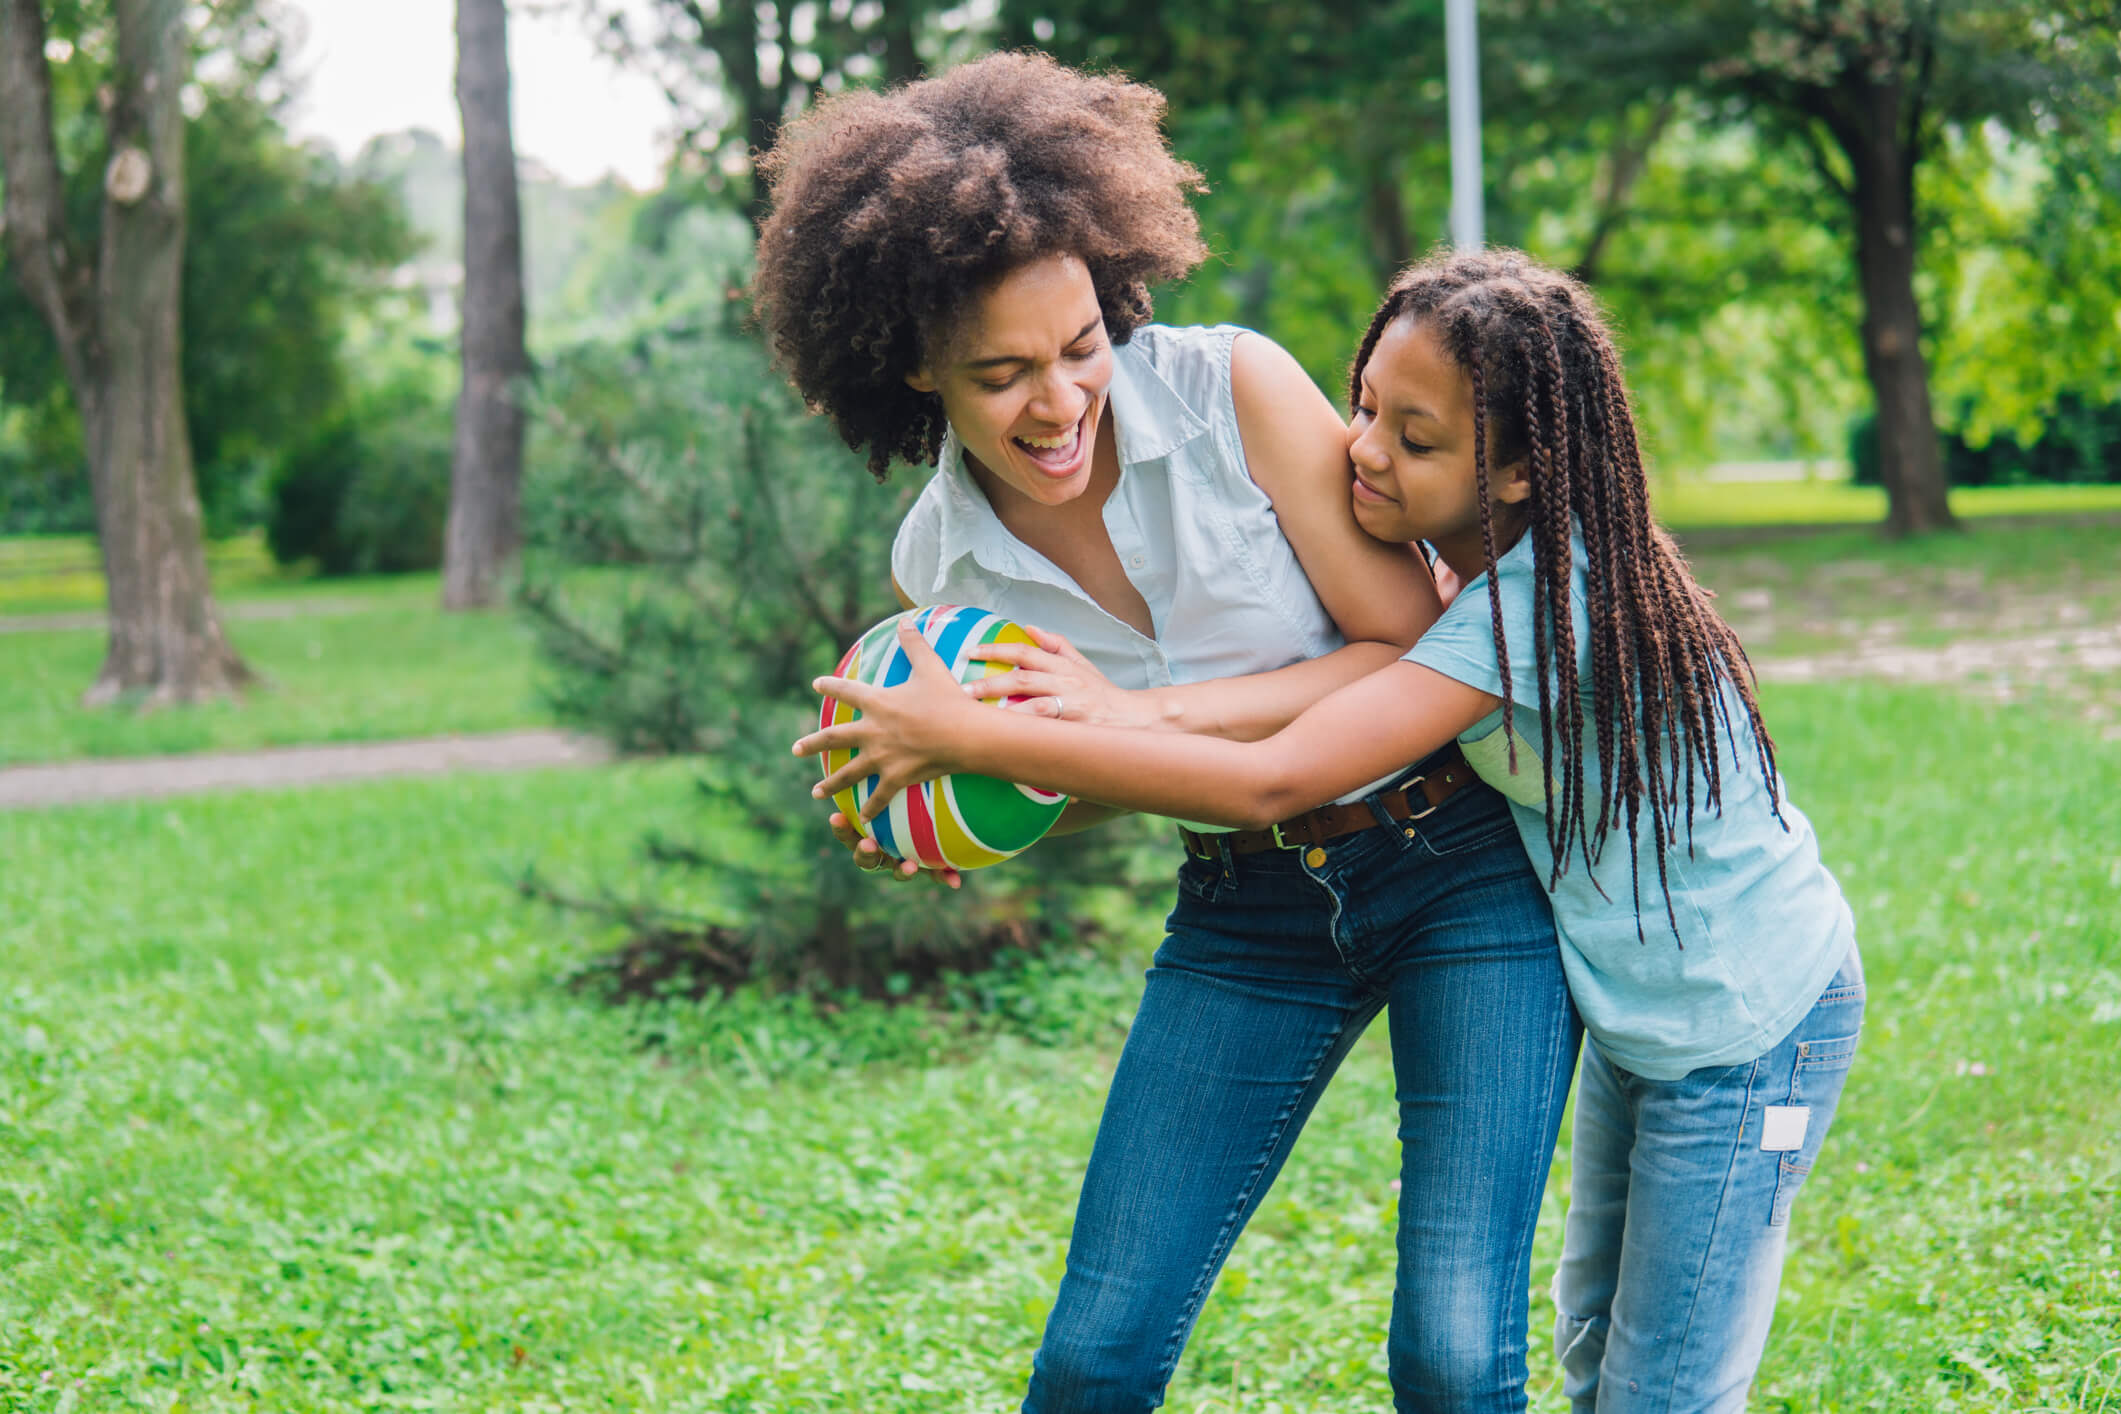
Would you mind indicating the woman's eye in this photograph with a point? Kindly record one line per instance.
(1361, 411)
(1088, 351)
(1001, 387)
(1415, 447)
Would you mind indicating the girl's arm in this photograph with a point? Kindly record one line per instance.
(929, 727)
(1379, 594)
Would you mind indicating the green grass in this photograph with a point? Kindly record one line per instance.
(294, 1116)
(1692, 504)
(49, 574)
(397, 668)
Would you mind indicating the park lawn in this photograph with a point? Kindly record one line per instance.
(295, 1115)
(391, 665)
(49, 574)
(1691, 503)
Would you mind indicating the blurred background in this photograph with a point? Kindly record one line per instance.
(423, 980)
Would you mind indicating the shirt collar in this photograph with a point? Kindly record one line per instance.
(1150, 421)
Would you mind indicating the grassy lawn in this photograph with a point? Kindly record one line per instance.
(316, 1128)
(1690, 504)
(396, 667)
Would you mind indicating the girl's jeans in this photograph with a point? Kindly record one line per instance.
(1678, 1214)
(1272, 967)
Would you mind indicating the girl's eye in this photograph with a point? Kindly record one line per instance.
(1361, 411)
(1415, 447)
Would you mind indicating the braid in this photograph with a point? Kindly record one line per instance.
(1548, 393)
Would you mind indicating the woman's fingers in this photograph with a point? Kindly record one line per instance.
(843, 779)
(840, 736)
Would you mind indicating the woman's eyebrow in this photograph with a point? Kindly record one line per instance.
(1000, 359)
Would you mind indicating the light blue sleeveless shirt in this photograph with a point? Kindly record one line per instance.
(1197, 538)
(1763, 926)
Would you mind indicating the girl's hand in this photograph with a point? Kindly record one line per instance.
(870, 858)
(1060, 682)
(904, 733)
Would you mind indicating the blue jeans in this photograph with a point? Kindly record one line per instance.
(1679, 1208)
(1271, 969)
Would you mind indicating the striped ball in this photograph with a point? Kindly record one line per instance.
(962, 821)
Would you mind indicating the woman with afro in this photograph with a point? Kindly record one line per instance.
(957, 273)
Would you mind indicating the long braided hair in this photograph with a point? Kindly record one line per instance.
(1548, 391)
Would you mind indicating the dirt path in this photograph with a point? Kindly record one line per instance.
(137, 777)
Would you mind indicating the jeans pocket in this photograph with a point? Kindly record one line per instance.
(1475, 817)
(1816, 1078)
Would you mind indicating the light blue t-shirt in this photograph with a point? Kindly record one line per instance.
(1762, 924)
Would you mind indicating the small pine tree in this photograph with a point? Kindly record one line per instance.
(698, 549)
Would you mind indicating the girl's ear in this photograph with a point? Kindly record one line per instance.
(920, 381)
(1516, 484)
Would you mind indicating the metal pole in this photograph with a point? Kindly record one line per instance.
(1461, 40)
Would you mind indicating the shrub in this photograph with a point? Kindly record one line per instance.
(2078, 442)
(367, 491)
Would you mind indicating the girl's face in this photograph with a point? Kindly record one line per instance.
(1023, 381)
(1411, 442)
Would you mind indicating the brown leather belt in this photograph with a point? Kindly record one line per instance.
(1448, 773)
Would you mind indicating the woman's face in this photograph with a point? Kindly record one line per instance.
(1023, 380)
(1411, 442)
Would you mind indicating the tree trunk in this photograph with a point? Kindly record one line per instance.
(120, 338)
(1910, 459)
(902, 59)
(486, 467)
(1384, 214)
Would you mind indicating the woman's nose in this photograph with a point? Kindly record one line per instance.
(1057, 400)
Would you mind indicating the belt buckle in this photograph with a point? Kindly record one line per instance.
(1274, 834)
(1408, 790)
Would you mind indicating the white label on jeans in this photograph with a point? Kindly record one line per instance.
(1785, 1127)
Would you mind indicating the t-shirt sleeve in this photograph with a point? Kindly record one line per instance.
(1461, 644)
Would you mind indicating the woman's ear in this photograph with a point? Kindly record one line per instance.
(920, 381)
(1516, 484)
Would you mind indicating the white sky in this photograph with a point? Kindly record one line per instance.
(379, 66)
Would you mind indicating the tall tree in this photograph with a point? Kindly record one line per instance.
(115, 312)
(734, 71)
(486, 473)
(1869, 89)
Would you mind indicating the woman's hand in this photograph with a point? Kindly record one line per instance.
(869, 857)
(1059, 682)
(903, 734)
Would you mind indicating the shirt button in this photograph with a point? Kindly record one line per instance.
(1137, 562)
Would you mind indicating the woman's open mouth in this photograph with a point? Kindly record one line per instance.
(1063, 453)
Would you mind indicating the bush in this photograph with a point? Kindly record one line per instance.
(2078, 443)
(367, 492)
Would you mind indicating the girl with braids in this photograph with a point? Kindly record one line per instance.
(1585, 675)
(957, 272)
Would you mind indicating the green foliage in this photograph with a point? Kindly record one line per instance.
(700, 548)
(282, 252)
(366, 491)
(2076, 443)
